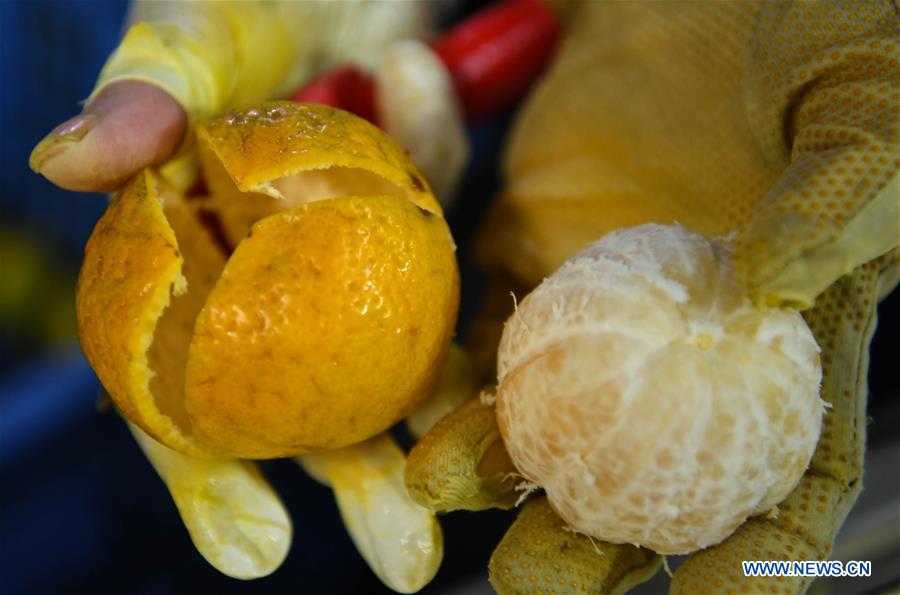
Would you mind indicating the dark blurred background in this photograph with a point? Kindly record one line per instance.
(81, 510)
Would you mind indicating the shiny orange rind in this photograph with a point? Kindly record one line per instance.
(319, 317)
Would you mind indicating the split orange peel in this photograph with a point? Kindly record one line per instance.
(327, 324)
(258, 161)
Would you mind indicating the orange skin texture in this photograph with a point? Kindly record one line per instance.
(130, 263)
(311, 339)
(330, 320)
(260, 145)
(131, 255)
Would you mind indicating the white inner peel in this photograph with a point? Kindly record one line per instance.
(650, 399)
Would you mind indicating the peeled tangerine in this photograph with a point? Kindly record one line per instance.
(650, 400)
(306, 304)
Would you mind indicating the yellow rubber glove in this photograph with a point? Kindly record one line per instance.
(234, 517)
(182, 62)
(775, 124)
(401, 541)
(213, 56)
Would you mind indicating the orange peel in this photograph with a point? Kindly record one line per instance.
(327, 324)
(258, 161)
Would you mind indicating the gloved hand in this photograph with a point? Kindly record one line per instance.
(180, 64)
(775, 124)
(151, 271)
(183, 62)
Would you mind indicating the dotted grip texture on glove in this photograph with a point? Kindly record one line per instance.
(774, 124)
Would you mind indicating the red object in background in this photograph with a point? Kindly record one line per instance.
(492, 57)
(346, 87)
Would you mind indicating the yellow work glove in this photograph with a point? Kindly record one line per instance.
(149, 270)
(214, 56)
(182, 62)
(220, 55)
(774, 124)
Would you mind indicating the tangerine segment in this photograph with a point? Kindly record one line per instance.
(131, 327)
(328, 325)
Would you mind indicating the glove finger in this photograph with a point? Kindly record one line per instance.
(235, 519)
(418, 107)
(540, 555)
(401, 541)
(806, 522)
(461, 464)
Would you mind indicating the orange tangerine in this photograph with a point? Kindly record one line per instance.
(326, 325)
